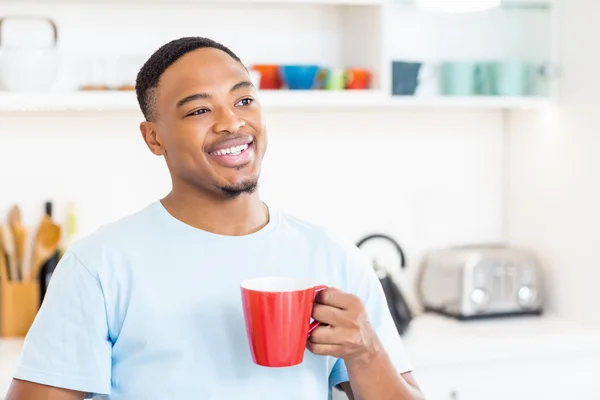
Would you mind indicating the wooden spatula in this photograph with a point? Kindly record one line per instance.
(46, 242)
(19, 232)
(9, 249)
(4, 273)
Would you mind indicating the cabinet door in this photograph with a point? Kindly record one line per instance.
(554, 379)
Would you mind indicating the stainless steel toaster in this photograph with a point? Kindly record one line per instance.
(480, 281)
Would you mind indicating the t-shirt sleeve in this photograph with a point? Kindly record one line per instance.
(68, 346)
(364, 283)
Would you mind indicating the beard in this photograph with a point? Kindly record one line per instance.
(248, 186)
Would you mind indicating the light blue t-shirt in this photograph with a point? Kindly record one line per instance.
(149, 307)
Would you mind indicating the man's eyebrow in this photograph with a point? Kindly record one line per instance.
(192, 97)
(241, 85)
(201, 96)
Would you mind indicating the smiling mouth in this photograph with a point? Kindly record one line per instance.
(236, 156)
(234, 150)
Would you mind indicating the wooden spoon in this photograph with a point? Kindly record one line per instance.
(4, 273)
(19, 232)
(9, 248)
(46, 242)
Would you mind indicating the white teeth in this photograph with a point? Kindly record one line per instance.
(235, 150)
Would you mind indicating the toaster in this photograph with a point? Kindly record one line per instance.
(479, 281)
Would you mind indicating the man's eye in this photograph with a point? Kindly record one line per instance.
(198, 112)
(245, 102)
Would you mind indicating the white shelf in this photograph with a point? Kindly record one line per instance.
(279, 99)
(514, 4)
(278, 2)
(471, 102)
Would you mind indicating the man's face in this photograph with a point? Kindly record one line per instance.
(209, 124)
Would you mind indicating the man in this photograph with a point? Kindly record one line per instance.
(149, 307)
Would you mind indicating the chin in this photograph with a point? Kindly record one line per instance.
(234, 191)
(238, 186)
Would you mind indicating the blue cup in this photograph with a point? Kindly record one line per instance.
(299, 77)
(405, 77)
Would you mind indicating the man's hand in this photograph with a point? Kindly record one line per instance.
(347, 334)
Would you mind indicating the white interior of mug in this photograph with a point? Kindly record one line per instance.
(276, 284)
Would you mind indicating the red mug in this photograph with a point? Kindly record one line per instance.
(277, 312)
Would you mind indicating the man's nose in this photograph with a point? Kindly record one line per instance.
(228, 121)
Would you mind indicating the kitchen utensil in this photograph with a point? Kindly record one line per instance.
(358, 78)
(70, 231)
(19, 232)
(19, 301)
(19, 304)
(401, 313)
(50, 264)
(9, 249)
(299, 77)
(4, 272)
(45, 244)
(28, 68)
(277, 312)
(270, 76)
(479, 281)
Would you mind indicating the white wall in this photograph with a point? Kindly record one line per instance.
(429, 179)
(555, 173)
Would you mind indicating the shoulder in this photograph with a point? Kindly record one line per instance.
(114, 237)
(323, 239)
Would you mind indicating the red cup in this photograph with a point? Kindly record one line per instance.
(358, 78)
(277, 312)
(270, 76)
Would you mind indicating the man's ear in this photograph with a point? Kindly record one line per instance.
(151, 138)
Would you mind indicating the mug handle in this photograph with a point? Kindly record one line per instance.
(316, 323)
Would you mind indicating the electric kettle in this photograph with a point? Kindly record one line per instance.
(397, 305)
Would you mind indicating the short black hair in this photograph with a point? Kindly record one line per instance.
(150, 73)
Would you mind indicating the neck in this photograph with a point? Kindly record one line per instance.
(240, 216)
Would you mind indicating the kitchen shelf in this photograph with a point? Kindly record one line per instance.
(509, 4)
(279, 2)
(524, 4)
(276, 99)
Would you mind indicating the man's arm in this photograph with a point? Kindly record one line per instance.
(348, 335)
(25, 390)
(68, 345)
(408, 378)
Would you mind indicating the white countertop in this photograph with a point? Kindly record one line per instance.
(434, 341)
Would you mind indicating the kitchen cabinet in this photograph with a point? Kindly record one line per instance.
(369, 34)
(517, 358)
(554, 379)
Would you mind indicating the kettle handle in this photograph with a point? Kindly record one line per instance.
(389, 239)
(51, 22)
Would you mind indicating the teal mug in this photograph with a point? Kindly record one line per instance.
(512, 78)
(499, 78)
(459, 78)
(466, 78)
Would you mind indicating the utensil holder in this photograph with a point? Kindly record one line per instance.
(19, 304)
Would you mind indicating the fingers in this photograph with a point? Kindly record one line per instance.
(326, 335)
(336, 298)
(325, 349)
(327, 314)
(336, 336)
